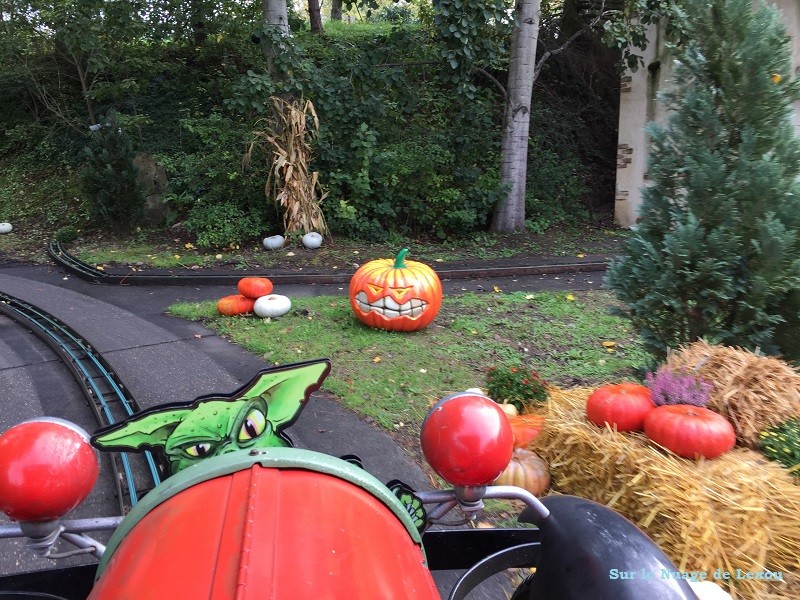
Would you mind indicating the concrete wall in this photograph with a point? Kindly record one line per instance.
(638, 106)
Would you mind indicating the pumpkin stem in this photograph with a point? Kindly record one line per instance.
(399, 262)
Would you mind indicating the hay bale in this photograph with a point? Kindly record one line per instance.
(754, 392)
(739, 511)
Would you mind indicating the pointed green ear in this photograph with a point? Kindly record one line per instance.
(144, 429)
(287, 389)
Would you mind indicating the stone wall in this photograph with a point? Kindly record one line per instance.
(638, 106)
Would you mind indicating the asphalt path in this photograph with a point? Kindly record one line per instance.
(162, 359)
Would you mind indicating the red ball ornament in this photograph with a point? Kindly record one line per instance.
(467, 439)
(47, 468)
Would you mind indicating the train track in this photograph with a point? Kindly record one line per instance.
(77, 267)
(103, 390)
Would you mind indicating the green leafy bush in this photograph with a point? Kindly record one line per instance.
(781, 443)
(66, 234)
(222, 225)
(517, 385)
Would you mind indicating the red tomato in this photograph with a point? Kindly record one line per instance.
(690, 431)
(622, 405)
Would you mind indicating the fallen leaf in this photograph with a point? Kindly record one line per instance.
(580, 255)
(290, 254)
(189, 246)
(529, 297)
(197, 335)
(570, 297)
(218, 256)
(423, 370)
(100, 268)
(496, 289)
(609, 344)
(377, 359)
(177, 257)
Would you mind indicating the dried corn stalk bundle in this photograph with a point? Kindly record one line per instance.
(738, 511)
(753, 392)
(290, 182)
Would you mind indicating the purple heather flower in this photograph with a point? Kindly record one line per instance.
(678, 387)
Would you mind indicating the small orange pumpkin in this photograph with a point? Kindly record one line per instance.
(395, 295)
(527, 470)
(235, 305)
(525, 428)
(254, 287)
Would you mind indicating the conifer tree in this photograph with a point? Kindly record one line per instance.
(716, 253)
(110, 178)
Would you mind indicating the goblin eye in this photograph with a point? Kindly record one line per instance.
(198, 450)
(254, 425)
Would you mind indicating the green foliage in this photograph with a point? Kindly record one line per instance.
(781, 443)
(109, 177)
(222, 224)
(716, 252)
(516, 385)
(66, 234)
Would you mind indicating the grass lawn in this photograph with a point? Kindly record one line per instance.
(394, 377)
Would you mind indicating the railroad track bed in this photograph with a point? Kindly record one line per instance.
(102, 391)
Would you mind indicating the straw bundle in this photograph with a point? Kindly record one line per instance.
(739, 511)
(753, 392)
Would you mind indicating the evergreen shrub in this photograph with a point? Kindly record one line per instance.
(114, 196)
(716, 253)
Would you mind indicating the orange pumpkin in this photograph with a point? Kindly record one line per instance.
(235, 305)
(254, 287)
(525, 428)
(527, 470)
(395, 295)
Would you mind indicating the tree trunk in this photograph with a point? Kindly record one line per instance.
(315, 16)
(276, 14)
(336, 10)
(509, 213)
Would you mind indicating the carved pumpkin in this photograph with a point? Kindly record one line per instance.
(395, 295)
(235, 305)
(527, 470)
(254, 287)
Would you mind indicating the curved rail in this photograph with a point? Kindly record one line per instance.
(79, 268)
(100, 385)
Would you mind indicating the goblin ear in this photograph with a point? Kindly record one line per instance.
(148, 429)
(286, 389)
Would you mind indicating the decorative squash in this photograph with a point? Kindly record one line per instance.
(622, 405)
(272, 305)
(690, 431)
(6, 227)
(274, 242)
(236, 304)
(254, 287)
(312, 240)
(525, 428)
(527, 470)
(395, 295)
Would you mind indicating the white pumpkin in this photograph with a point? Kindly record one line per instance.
(312, 240)
(273, 305)
(5, 228)
(274, 242)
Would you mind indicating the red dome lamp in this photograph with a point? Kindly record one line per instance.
(467, 439)
(47, 468)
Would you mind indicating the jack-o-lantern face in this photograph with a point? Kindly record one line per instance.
(394, 294)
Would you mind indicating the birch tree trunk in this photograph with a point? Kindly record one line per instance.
(509, 213)
(276, 14)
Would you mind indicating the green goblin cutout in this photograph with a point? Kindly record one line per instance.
(252, 417)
